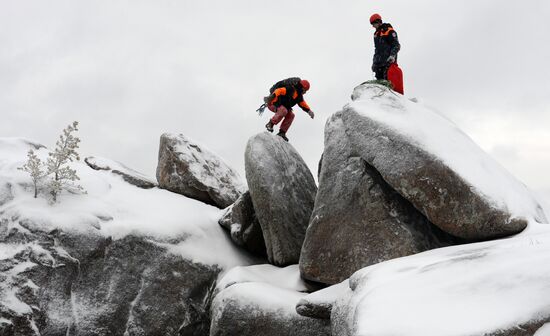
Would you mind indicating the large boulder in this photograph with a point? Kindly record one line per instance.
(497, 288)
(245, 230)
(435, 166)
(358, 219)
(260, 300)
(188, 168)
(88, 284)
(283, 192)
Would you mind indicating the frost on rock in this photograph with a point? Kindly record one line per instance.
(188, 168)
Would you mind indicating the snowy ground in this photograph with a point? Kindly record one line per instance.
(115, 208)
(461, 290)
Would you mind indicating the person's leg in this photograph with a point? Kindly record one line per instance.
(288, 121)
(280, 113)
(269, 125)
(381, 72)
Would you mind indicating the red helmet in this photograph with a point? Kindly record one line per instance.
(374, 18)
(305, 84)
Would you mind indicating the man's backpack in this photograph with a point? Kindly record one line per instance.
(292, 81)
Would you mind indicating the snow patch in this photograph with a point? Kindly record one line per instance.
(269, 298)
(114, 208)
(465, 290)
(543, 331)
(282, 277)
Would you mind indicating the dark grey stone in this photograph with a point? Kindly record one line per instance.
(283, 192)
(241, 221)
(358, 219)
(235, 312)
(88, 284)
(187, 169)
(437, 191)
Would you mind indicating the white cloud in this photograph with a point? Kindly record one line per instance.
(131, 70)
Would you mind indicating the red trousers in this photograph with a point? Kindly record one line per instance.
(281, 113)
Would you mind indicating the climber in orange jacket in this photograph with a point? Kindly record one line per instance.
(283, 96)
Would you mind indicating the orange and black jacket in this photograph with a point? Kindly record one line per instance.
(288, 93)
(386, 44)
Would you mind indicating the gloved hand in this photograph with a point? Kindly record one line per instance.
(373, 68)
(311, 114)
(391, 59)
(269, 98)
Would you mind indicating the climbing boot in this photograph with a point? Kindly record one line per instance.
(269, 126)
(283, 135)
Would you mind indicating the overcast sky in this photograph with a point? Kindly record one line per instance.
(129, 71)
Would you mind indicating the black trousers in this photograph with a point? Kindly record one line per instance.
(381, 72)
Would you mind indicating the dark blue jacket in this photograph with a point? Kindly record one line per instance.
(386, 44)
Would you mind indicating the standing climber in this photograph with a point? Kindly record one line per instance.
(283, 96)
(386, 47)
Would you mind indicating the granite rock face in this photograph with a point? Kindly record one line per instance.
(187, 168)
(283, 192)
(436, 167)
(82, 283)
(358, 219)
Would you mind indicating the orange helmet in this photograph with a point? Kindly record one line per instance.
(305, 84)
(375, 17)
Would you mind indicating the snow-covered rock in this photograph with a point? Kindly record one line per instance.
(358, 219)
(283, 192)
(490, 288)
(241, 221)
(129, 175)
(435, 166)
(187, 168)
(319, 304)
(261, 300)
(116, 260)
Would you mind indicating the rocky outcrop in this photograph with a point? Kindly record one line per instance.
(358, 219)
(87, 284)
(245, 230)
(283, 192)
(129, 175)
(435, 166)
(239, 310)
(189, 169)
